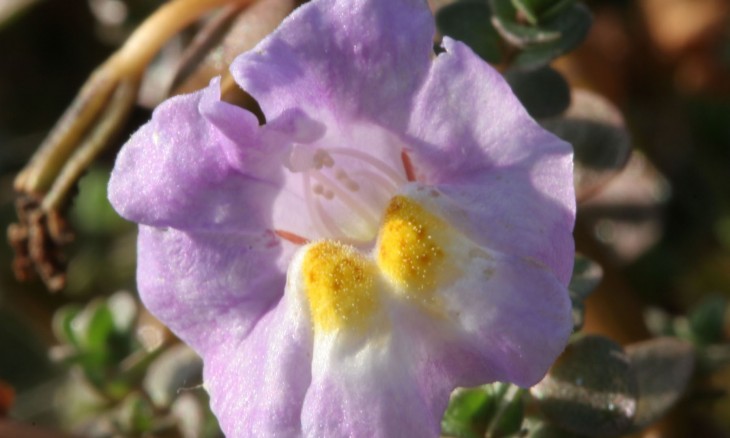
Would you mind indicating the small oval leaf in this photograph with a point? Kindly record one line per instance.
(707, 321)
(537, 428)
(536, 10)
(544, 92)
(190, 415)
(177, 367)
(662, 367)
(601, 144)
(587, 274)
(590, 389)
(510, 414)
(93, 326)
(62, 324)
(468, 412)
(469, 22)
(571, 26)
(124, 311)
(505, 21)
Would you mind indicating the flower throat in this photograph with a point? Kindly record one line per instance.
(346, 191)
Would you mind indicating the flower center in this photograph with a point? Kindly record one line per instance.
(346, 191)
(414, 255)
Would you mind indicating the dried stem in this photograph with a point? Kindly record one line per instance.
(147, 40)
(107, 125)
(47, 162)
(126, 66)
(96, 114)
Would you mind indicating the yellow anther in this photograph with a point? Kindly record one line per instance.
(411, 251)
(340, 285)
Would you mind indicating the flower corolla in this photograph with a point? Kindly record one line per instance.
(398, 227)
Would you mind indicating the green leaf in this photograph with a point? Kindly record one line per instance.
(707, 320)
(136, 415)
(507, 420)
(177, 367)
(468, 413)
(578, 312)
(190, 415)
(659, 322)
(571, 27)
(587, 274)
(469, 22)
(590, 390)
(537, 428)
(662, 367)
(124, 311)
(544, 92)
(601, 144)
(62, 324)
(536, 10)
(505, 21)
(91, 211)
(102, 348)
(93, 326)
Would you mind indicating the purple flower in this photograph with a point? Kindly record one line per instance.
(399, 227)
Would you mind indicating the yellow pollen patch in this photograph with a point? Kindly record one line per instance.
(340, 285)
(411, 251)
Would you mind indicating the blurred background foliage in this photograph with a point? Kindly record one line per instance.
(642, 91)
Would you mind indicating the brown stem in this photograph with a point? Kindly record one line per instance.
(127, 64)
(110, 121)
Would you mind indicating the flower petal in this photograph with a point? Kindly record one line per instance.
(208, 286)
(382, 388)
(342, 60)
(510, 178)
(200, 164)
(514, 313)
(501, 317)
(257, 383)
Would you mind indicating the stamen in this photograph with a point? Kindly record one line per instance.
(362, 211)
(323, 223)
(327, 160)
(328, 222)
(408, 166)
(386, 185)
(318, 221)
(296, 239)
(395, 176)
(349, 183)
(322, 159)
(352, 185)
(317, 159)
(346, 198)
